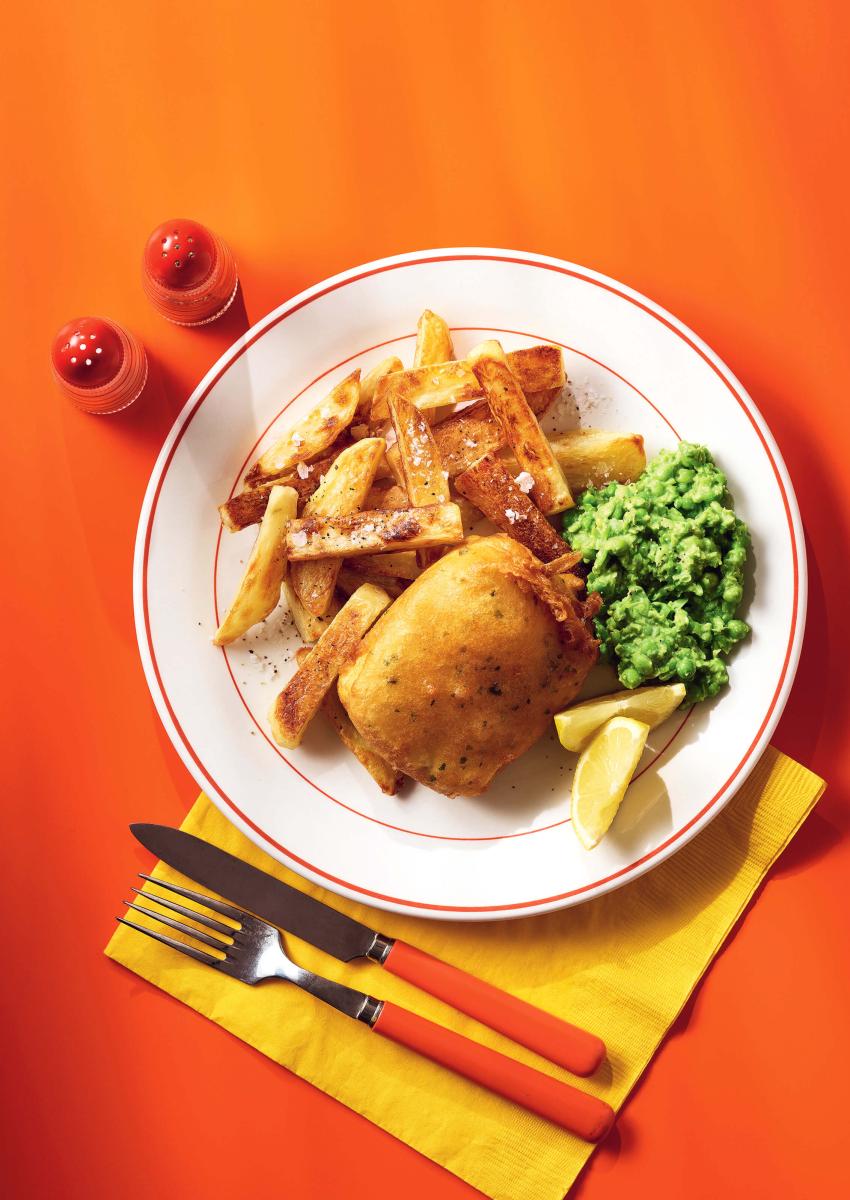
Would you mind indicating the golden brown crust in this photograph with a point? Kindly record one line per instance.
(463, 437)
(492, 489)
(465, 670)
(310, 437)
(387, 778)
(521, 429)
(299, 701)
(247, 507)
(538, 368)
(373, 532)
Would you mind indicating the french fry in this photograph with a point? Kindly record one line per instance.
(387, 777)
(433, 341)
(594, 457)
(244, 509)
(312, 434)
(298, 703)
(393, 462)
(310, 628)
(493, 489)
(537, 368)
(588, 458)
(519, 425)
(387, 494)
(259, 591)
(541, 402)
(433, 345)
(247, 507)
(343, 491)
(369, 383)
(373, 532)
(424, 479)
(350, 580)
(401, 565)
(470, 514)
(427, 387)
(464, 436)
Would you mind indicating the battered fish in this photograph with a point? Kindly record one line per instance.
(463, 673)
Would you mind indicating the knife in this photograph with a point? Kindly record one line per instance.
(346, 939)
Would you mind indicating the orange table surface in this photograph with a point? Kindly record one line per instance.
(695, 151)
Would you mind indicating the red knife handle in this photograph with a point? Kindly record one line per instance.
(581, 1114)
(559, 1041)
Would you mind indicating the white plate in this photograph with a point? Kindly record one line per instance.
(511, 852)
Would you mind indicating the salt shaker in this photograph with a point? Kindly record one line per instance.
(101, 367)
(188, 273)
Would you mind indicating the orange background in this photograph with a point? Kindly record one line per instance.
(695, 151)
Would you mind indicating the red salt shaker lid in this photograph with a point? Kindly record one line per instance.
(87, 352)
(99, 365)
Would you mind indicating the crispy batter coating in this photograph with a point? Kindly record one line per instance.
(463, 673)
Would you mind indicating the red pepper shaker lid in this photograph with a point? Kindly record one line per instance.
(188, 272)
(180, 254)
(97, 364)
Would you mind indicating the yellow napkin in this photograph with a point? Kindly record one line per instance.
(622, 965)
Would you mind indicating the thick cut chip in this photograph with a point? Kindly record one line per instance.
(310, 628)
(464, 436)
(424, 479)
(247, 507)
(433, 345)
(312, 435)
(594, 457)
(259, 591)
(342, 491)
(541, 402)
(369, 384)
(373, 532)
(421, 468)
(495, 491)
(349, 580)
(387, 494)
(588, 458)
(298, 703)
(427, 387)
(388, 779)
(519, 425)
(433, 341)
(402, 565)
(537, 368)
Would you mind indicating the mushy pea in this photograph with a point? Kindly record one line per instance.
(667, 555)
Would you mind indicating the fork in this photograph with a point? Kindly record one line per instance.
(255, 952)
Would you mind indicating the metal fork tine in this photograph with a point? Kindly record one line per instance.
(201, 918)
(200, 955)
(197, 934)
(226, 910)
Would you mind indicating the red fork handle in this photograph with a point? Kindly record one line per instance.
(581, 1114)
(559, 1041)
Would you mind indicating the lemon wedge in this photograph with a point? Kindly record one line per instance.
(603, 773)
(652, 705)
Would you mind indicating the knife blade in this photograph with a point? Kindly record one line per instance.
(261, 894)
(346, 939)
